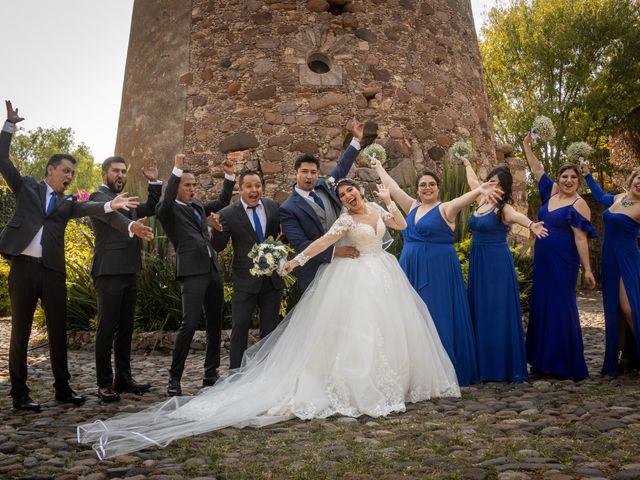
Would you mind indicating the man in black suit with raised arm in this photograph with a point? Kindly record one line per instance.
(33, 241)
(184, 219)
(116, 261)
(246, 222)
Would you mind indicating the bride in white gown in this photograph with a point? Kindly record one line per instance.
(359, 342)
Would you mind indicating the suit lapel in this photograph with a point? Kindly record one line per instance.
(308, 209)
(244, 219)
(42, 187)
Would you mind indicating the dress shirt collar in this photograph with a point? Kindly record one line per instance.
(246, 206)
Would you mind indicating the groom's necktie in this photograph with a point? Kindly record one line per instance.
(317, 199)
(51, 204)
(257, 224)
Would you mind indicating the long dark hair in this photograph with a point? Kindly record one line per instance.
(506, 183)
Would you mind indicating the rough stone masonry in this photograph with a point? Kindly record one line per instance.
(284, 77)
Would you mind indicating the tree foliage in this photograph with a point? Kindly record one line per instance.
(575, 61)
(31, 150)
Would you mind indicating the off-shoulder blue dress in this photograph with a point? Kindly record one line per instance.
(554, 338)
(620, 260)
(431, 264)
(494, 299)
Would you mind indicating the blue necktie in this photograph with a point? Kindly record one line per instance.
(257, 224)
(317, 199)
(198, 216)
(51, 204)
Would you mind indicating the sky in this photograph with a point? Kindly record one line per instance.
(63, 64)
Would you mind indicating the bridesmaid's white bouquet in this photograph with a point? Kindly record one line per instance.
(578, 151)
(461, 150)
(375, 151)
(543, 129)
(267, 257)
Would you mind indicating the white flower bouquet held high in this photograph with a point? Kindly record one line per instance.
(543, 129)
(375, 151)
(460, 150)
(578, 152)
(267, 257)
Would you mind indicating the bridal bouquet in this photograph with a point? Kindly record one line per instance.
(578, 151)
(461, 150)
(375, 151)
(543, 129)
(267, 257)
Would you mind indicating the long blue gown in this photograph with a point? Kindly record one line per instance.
(431, 263)
(494, 300)
(554, 338)
(620, 259)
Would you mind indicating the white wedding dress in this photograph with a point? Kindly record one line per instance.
(359, 342)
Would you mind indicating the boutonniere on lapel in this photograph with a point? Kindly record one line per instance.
(330, 182)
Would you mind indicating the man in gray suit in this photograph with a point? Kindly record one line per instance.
(116, 261)
(246, 222)
(33, 241)
(184, 219)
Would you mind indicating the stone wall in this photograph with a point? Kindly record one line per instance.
(151, 124)
(283, 78)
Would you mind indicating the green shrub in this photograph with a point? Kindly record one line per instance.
(5, 301)
(82, 306)
(7, 205)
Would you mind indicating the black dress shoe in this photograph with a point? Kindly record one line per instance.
(25, 402)
(174, 389)
(106, 394)
(210, 381)
(130, 386)
(69, 396)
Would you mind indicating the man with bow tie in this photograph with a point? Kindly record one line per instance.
(184, 219)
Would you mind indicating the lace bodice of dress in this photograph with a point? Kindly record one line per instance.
(362, 235)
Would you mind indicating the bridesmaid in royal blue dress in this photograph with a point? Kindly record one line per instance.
(620, 274)
(554, 338)
(494, 296)
(431, 263)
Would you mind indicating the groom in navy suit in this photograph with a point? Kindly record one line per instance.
(313, 206)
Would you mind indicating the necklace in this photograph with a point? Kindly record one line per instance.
(627, 203)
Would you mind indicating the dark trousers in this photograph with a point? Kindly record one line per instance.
(116, 296)
(198, 291)
(29, 281)
(268, 302)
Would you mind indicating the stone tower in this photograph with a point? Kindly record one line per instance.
(283, 77)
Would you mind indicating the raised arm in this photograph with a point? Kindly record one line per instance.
(472, 178)
(154, 191)
(165, 208)
(7, 169)
(534, 164)
(451, 208)
(599, 194)
(406, 201)
(392, 216)
(350, 154)
(224, 198)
